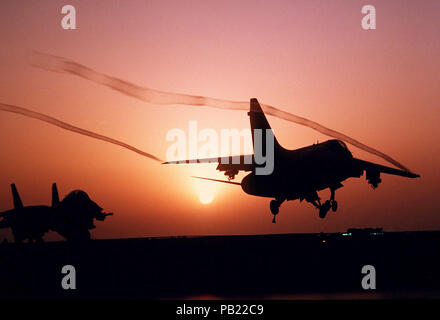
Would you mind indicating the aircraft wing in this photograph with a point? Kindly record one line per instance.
(374, 167)
(229, 163)
(217, 180)
(6, 214)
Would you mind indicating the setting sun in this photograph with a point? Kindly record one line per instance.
(128, 96)
(206, 191)
(206, 197)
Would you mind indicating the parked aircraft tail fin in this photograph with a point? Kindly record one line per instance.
(55, 196)
(16, 197)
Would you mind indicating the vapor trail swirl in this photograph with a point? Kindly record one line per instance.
(59, 64)
(40, 116)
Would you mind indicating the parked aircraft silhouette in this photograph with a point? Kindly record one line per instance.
(298, 174)
(72, 217)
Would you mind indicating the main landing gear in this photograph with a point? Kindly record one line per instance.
(313, 198)
(275, 208)
(326, 206)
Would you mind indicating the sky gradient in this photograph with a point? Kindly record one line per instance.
(310, 58)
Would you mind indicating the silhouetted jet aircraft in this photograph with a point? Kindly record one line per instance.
(298, 174)
(30, 222)
(71, 218)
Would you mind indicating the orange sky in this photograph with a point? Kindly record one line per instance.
(311, 58)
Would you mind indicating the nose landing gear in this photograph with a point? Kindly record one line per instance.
(334, 204)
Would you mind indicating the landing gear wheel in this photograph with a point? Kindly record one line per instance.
(274, 208)
(324, 209)
(334, 205)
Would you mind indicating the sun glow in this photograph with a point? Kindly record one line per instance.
(204, 190)
(206, 197)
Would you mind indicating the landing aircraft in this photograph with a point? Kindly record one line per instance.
(298, 174)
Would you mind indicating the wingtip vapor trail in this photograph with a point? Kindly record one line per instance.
(64, 125)
(59, 64)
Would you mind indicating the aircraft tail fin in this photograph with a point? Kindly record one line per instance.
(259, 121)
(55, 196)
(16, 197)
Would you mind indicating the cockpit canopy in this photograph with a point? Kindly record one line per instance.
(77, 195)
(79, 199)
(342, 144)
